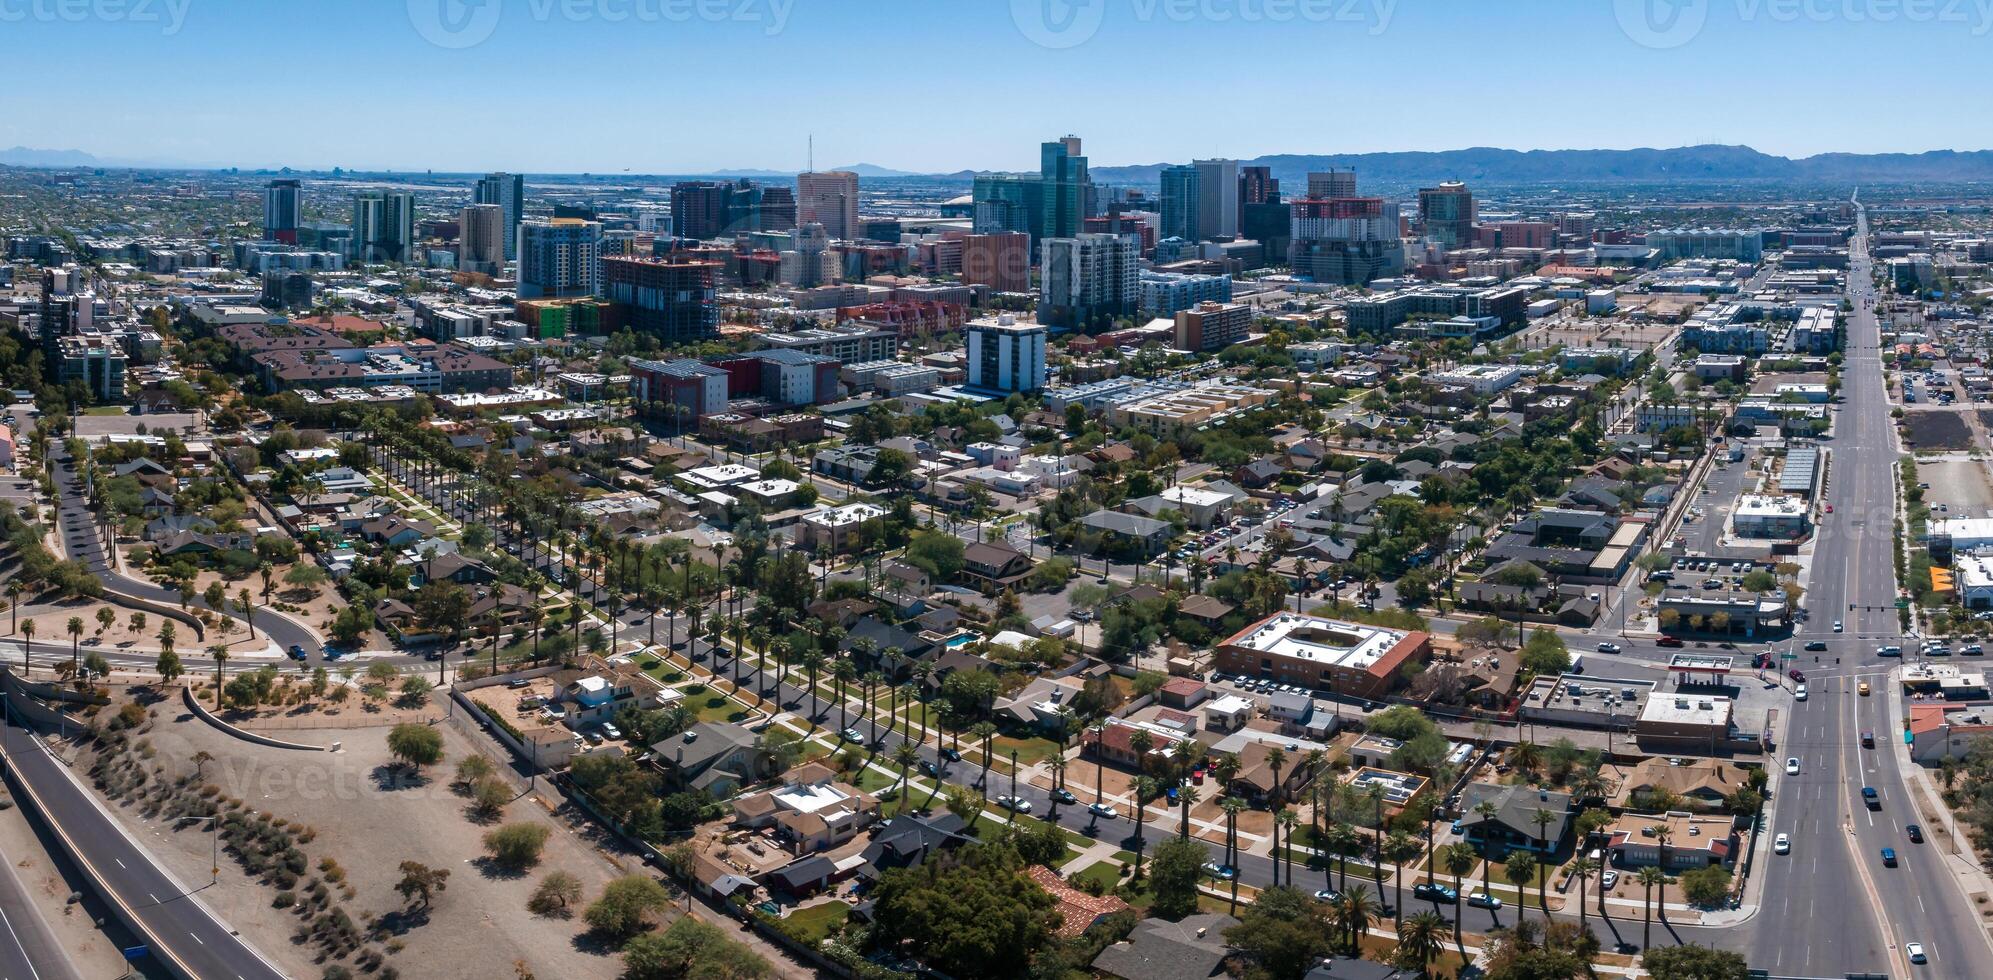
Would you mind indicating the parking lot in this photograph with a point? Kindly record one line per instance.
(1958, 488)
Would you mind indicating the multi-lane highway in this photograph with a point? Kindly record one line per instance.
(1831, 907)
(183, 932)
(28, 950)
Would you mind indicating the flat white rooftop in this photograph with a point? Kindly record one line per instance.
(1325, 641)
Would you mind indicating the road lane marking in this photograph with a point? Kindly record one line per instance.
(11, 934)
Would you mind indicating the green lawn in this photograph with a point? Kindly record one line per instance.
(1106, 873)
(815, 924)
(1030, 751)
(710, 705)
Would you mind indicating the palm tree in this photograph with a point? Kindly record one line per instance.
(1542, 818)
(1287, 820)
(1398, 849)
(1650, 878)
(1275, 758)
(1662, 834)
(1353, 914)
(1145, 790)
(922, 670)
(27, 646)
(1458, 859)
(1423, 936)
(220, 652)
(14, 590)
(248, 611)
(1232, 805)
(984, 732)
(1520, 869)
(1057, 763)
(813, 662)
(841, 674)
(1187, 796)
(906, 755)
(1340, 839)
(1487, 810)
(75, 639)
(1275, 826)
(1582, 869)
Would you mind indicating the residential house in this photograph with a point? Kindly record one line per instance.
(1131, 532)
(994, 566)
(1192, 948)
(812, 810)
(1634, 841)
(1513, 824)
(717, 757)
(1078, 910)
(910, 839)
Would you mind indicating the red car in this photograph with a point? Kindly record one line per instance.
(1668, 641)
(1796, 675)
(1830, 508)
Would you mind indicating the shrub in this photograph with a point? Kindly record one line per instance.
(517, 845)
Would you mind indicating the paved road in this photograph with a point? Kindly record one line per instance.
(84, 540)
(28, 950)
(1830, 907)
(181, 927)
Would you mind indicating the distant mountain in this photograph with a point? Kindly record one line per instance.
(23, 156)
(872, 170)
(1688, 163)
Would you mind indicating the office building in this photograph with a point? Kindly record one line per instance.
(481, 239)
(778, 209)
(999, 260)
(672, 300)
(508, 191)
(1087, 281)
(685, 390)
(1350, 241)
(1446, 214)
(1324, 654)
(1257, 185)
(1181, 200)
(1067, 187)
(1217, 199)
(281, 211)
(383, 226)
(1212, 326)
(1332, 185)
(699, 209)
(559, 258)
(829, 199)
(1005, 355)
(1008, 203)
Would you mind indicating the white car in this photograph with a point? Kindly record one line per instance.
(1792, 767)
(1102, 811)
(1608, 648)
(1013, 804)
(1799, 693)
(1837, 626)
(1916, 951)
(1484, 900)
(1782, 845)
(1609, 879)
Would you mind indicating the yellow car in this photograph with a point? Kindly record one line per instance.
(1863, 689)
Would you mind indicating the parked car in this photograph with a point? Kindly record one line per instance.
(1609, 879)
(1483, 900)
(1222, 872)
(1328, 895)
(1065, 797)
(1434, 892)
(1668, 641)
(852, 735)
(1609, 648)
(1103, 811)
(1013, 804)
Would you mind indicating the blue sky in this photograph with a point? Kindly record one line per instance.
(942, 85)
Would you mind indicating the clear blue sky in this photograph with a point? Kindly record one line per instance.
(942, 85)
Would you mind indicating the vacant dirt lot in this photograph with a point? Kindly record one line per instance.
(349, 807)
(1937, 429)
(1961, 486)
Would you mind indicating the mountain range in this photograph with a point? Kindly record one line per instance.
(1487, 165)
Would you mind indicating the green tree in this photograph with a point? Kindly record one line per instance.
(1693, 962)
(415, 745)
(625, 905)
(516, 845)
(976, 917)
(419, 883)
(1174, 872)
(1282, 933)
(555, 895)
(692, 950)
(1545, 653)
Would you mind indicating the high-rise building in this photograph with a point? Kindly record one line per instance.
(481, 239)
(282, 211)
(508, 191)
(1212, 326)
(560, 258)
(778, 209)
(699, 209)
(1005, 355)
(1001, 261)
(1181, 202)
(1332, 184)
(383, 226)
(1345, 240)
(1088, 280)
(674, 301)
(1257, 185)
(829, 199)
(1446, 214)
(1008, 202)
(1218, 199)
(1067, 187)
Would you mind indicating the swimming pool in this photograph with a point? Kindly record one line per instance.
(957, 642)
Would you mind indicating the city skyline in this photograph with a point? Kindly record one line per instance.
(1046, 79)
